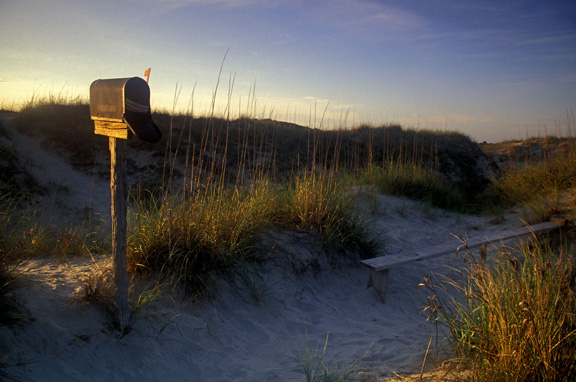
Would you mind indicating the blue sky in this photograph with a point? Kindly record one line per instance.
(492, 69)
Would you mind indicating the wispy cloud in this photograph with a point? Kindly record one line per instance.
(448, 121)
(366, 16)
(549, 39)
(228, 3)
(316, 99)
(396, 19)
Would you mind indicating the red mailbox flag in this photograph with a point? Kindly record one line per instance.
(147, 74)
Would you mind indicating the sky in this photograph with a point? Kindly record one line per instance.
(494, 69)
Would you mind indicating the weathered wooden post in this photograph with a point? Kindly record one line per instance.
(120, 108)
(118, 189)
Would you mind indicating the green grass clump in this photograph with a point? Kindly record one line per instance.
(415, 182)
(322, 203)
(515, 321)
(213, 230)
(192, 238)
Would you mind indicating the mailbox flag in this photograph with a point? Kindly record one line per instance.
(147, 74)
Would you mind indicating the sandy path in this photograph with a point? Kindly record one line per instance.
(71, 194)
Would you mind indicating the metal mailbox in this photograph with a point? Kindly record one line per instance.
(120, 106)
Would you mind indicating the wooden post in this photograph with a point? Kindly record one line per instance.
(120, 108)
(118, 188)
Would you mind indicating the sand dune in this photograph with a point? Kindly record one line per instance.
(231, 335)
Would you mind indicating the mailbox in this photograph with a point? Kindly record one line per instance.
(120, 106)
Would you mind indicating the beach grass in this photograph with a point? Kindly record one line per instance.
(316, 369)
(224, 183)
(192, 239)
(26, 231)
(322, 202)
(221, 182)
(25, 234)
(515, 320)
(196, 236)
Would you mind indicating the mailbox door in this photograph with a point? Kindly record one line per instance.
(137, 110)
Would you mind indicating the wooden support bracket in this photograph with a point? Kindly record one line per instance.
(111, 129)
(379, 281)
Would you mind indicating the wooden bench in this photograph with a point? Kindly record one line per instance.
(379, 265)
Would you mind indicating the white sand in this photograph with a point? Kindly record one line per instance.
(231, 336)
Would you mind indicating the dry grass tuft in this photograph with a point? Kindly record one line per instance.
(98, 289)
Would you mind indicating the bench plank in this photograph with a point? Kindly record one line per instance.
(389, 261)
(385, 262)
(379, 265)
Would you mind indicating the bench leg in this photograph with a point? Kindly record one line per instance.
(379, 281)
(483, 255)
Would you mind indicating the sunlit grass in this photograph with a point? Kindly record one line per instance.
(24, 234)
(322, 202)
(193, 238)
(209, 232)
(540, 184)
(515, 321)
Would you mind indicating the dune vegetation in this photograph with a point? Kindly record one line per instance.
(213, 185)
(515, 320)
